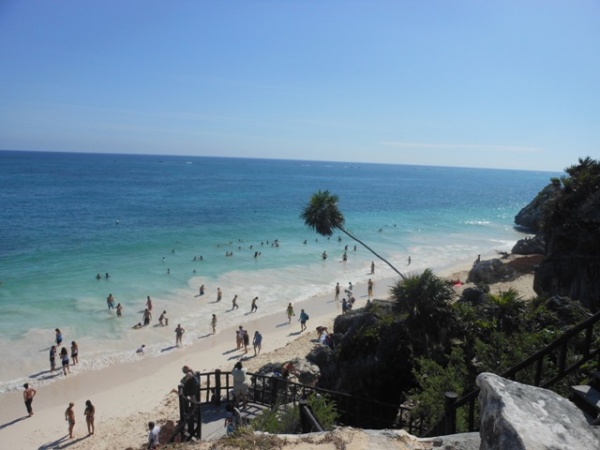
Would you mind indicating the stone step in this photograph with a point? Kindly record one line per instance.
(589, 396)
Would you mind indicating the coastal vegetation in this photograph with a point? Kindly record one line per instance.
(428, 340)
(323, 215)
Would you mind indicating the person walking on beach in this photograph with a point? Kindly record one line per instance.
(372, 267)
(213, 323)
(219, 294)
(254, 307)
(58, 336)
(409, 260)
(147, 317)
(28, 395)
(74, 352)
(53, 358)
(148, 303)
(153, 436)
(234, 304)
(201, 290)
(64, 357)
(70, 418)
(257, 342)
(337, 290)
(89, 413)
(369, 288)
(290, 313)
(178, 334)
(163, 320)
(303, 318)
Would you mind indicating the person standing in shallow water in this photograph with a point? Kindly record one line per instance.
(234, 304)
(337, 290)
(254, 307)
(64, 357)
(179, 335)
(74, 352)
(219, 294)
(372, 267)
(147, 317)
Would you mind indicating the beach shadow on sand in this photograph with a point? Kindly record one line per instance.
(296, 333)
(12, 422)
(169, 348)
(230, 351)
(283, 324)
(63, 442)
(43, 372)
(205, 336)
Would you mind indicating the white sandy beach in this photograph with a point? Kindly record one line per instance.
(129, 395)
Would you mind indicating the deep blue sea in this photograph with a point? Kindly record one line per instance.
(146, 220)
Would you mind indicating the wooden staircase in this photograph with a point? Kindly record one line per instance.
(587, 398)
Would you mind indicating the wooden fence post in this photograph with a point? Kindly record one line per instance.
(449, 412)
(218, 386)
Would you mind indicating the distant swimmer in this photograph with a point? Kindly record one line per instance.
(141, 349)
(119, 310)
(98, 276)
(324, 255)
(345, 257)
(234, 304)
(107, 276)
(137, 326)
(148, 303)
(254, 306)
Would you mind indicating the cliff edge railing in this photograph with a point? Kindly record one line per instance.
(546, 368)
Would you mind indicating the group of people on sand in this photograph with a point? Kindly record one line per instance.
(242, 340)
(89, 412)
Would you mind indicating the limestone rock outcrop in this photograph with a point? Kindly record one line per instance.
(530, 246)
(530, 218)
(521, 417)
(491, 271)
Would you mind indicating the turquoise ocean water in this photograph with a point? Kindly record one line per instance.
(143, 220)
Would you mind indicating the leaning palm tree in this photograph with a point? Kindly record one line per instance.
(323, 215)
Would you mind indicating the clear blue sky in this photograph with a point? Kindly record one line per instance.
(503, 84)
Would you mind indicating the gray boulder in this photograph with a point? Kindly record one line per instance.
(517, 417)
(530, 217)
(491, 271)
(530, 246)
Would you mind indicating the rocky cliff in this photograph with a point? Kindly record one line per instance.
(566, 215)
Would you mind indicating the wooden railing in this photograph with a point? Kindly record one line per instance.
(544, 369)
(271, 391)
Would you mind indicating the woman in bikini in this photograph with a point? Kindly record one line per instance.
(89, 413)
(74, 353)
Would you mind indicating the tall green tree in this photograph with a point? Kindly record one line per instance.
(323, 215)
(424, 300)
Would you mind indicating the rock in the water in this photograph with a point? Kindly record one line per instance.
(520, 417)
(530, 217)
(530, 246)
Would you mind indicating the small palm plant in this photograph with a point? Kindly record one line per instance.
(323, 215)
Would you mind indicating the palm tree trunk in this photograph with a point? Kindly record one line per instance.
(373, 251)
